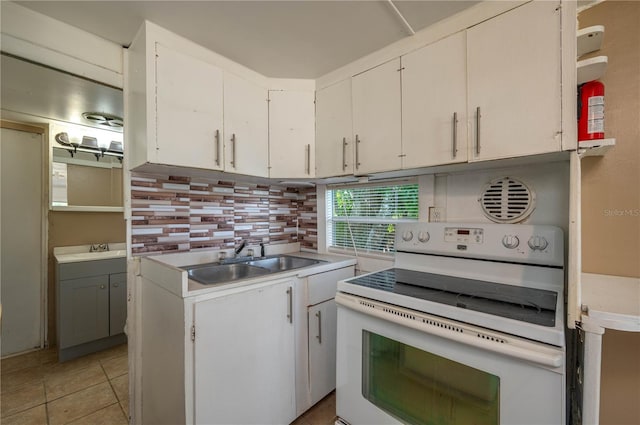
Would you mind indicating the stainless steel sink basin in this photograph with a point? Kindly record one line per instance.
(216, 273)
(211, 274)
(283, 263)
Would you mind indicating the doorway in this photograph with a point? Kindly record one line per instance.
(22, 232)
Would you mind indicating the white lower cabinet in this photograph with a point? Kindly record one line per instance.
(244, 357)
(316, 336)
(322, 349)
(263, 353)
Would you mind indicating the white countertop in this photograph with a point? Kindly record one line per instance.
(165, 271)
(612, 302)
(78, 253)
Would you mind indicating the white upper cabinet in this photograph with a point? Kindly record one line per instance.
(334, 129)
(188, 111)
(514, 77)
(246, 127)
(291, 134)
(376, 118)
(434, 94)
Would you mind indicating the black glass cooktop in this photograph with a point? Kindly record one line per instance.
(530, 305)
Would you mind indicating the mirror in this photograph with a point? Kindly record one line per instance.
(86, 161)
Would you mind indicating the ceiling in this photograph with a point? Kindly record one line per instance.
(283, 39)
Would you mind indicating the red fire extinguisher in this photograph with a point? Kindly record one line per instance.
(591, 111)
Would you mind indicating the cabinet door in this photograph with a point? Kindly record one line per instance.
(188, 111)
(434, 93)
(322, 349)
(244, 357)
(246, 127)
(334, 143)
(84, 310)
(291, 134)
(376, 118)
(514, 78)
(117, 303)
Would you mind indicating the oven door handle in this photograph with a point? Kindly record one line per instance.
(455, 331)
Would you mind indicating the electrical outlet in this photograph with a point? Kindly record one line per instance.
(436, 214)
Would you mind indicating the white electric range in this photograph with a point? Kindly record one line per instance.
(467, 327)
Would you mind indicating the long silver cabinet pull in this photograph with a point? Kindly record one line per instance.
(308, 163)
(357, 152)
(319, 336)
(290, 311)
(454, 148)
(218, 147)
(478, 130)
(233, 150)
(344, 153)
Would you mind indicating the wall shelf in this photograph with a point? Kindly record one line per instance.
(591, 69)
(595, 147)
(590, 39)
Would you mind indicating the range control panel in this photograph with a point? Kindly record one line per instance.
(535, 244)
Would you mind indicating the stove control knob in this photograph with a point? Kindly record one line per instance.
(538, 243)
(407, 236)
(423, 237)
(510, 241)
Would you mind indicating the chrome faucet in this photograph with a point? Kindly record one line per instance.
(241, 247)
(102, 247)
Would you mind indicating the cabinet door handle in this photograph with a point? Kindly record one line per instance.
(454, 148)
(290, 310)
(103, 286)
(218, 147)
(233, 150)
(357, 152)
(115, 285)
(478, 130)
(319, 336)
(308, 167)
(344, 153)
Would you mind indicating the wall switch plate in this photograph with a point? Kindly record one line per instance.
(436, 214)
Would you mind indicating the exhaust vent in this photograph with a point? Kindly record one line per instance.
(507, 200)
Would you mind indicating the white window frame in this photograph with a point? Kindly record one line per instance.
(328, 216)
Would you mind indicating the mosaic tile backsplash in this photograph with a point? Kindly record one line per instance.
(179, 214)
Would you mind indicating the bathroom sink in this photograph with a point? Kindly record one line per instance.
(283, 263)
(216, 273)
(212, 274)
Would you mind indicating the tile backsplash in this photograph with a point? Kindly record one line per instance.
(179, 214)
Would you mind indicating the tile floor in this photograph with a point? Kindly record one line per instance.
(94, 389)
(90, 390)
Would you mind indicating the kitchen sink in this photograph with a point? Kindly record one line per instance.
(283, 263)
(216, 273)
(212, 274)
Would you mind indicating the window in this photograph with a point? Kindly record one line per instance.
(365, 216)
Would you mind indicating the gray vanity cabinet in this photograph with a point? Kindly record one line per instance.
(91, 306)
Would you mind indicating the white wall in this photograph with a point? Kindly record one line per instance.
(39, 38)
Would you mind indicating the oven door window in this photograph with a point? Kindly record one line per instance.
(418, 387)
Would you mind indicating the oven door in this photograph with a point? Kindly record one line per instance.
(398, 366)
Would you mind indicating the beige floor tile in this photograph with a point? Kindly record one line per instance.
(16, 363)
(49, 356)
(75, 364)
(116, 366)
(80, 404)
(117, 351)
(34, 416)
(13, 380)
(121, 387)
(61, 384)
(23, 398)
(111, 415)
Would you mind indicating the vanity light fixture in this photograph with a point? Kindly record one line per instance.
(90, 145)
